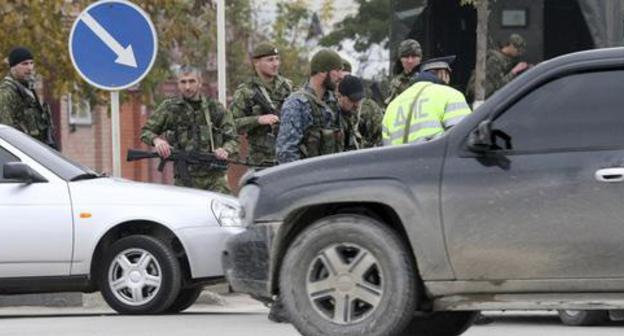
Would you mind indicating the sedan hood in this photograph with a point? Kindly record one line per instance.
(116, 191)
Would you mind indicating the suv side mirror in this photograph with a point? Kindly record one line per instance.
(480, 139)
(21, 172)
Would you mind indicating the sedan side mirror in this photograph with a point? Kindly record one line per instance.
(21, 172)
(480, 140)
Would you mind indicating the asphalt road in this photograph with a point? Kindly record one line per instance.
(239, 316)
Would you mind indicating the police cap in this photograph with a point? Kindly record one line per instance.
(438, 63)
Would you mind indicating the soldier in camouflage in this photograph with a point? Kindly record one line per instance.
(309, 124)
(193, 122)
(501, 66)
(20, 106)
(257, 103)
(364, 119)
(410, 56)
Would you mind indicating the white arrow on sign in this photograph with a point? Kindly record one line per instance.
(125, 56)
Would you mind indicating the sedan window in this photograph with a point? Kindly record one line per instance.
(51, 159)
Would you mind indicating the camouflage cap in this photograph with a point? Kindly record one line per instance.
(517, 41)
(264, 49)
(410, 47)
(346, 65)
(325, 60)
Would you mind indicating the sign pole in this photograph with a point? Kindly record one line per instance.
(113, 45)
(221, 79)
(115, 133)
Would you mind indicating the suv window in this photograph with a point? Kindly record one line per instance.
(5, 157)
(578, 111)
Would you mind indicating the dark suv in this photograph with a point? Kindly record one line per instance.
(520, 206)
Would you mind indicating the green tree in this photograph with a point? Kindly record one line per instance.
(289, 31)
(186, 35)
(367, 27)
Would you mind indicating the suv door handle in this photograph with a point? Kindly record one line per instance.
(610, 175)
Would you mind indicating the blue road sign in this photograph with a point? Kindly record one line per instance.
(113, 44)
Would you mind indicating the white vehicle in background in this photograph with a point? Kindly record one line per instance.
(148, 248)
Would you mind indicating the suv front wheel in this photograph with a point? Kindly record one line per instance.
(348, 275)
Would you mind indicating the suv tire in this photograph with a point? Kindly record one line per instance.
(140, 275)
(355, 260)
(440, 324)
(583, 317)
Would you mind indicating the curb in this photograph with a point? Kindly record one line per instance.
(212, 295)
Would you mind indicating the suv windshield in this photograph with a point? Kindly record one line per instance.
(46, 156)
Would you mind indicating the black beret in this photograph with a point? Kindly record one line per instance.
(19, 55)
(352, 87)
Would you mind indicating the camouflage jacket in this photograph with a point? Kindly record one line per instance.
(20, 108)
(253, 99)
(364, 126)
(400, 83)
(186, 128)
(298, 118)
(498, 73)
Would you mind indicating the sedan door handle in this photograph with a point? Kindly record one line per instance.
(610, 175)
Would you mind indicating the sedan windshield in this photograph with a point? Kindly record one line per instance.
(65, 168)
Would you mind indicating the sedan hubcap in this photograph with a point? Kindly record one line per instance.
(344, 283)
(134, 277)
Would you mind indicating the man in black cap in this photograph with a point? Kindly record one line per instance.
(257, 102)
(20, 106)
(428, 108)
(365, 120)
(349, 95)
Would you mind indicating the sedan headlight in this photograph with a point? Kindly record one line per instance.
(226, 213)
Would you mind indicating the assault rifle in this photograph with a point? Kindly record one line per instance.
(260, 99)
(184, 159)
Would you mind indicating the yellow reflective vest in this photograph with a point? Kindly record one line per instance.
(422, 112)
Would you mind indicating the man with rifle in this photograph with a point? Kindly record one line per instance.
(189, 124)
(257, 102)
(20, 106)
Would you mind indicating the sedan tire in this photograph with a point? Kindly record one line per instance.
(348, 275)
(185, 299)
(583, 317)
(141, 275)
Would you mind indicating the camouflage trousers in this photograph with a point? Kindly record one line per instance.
(215, 181)
(260, 157)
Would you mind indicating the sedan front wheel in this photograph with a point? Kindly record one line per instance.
(141, 275)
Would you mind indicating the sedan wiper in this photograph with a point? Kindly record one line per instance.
(86, 176)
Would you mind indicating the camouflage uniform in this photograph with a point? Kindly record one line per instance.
(183, 124)
(498, 69)
(20, 108)
(305, 121)
(404, 80)
(365, 125)
(498, 73)
(246, 110)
